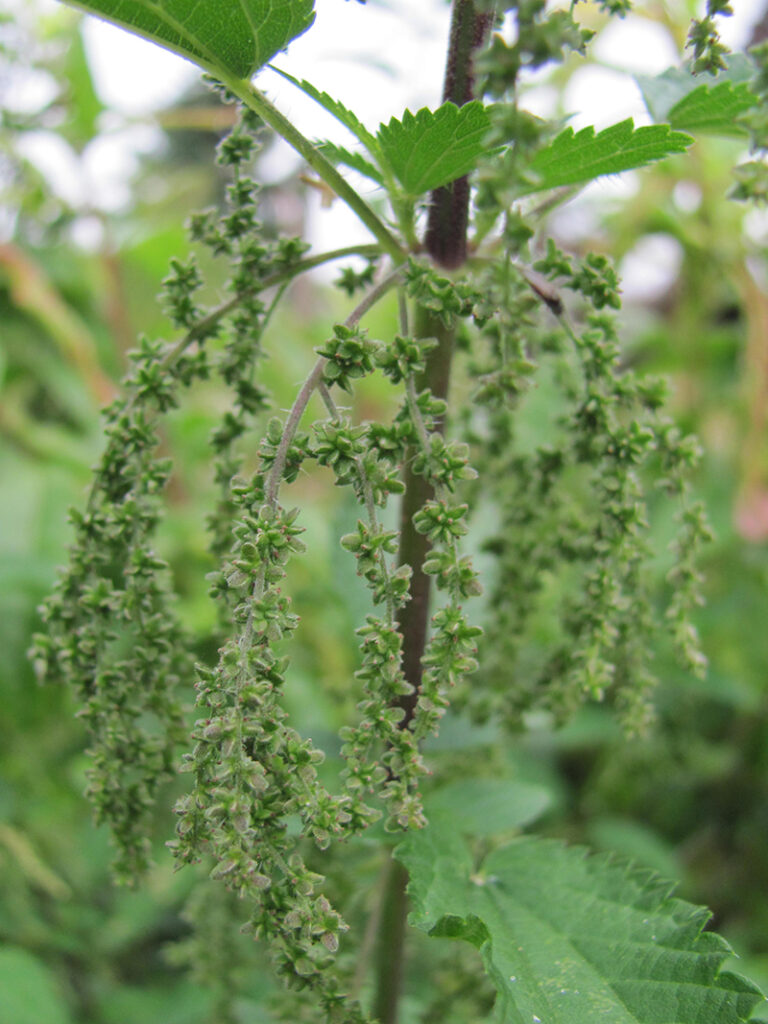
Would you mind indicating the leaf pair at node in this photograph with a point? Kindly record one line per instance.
(421, 152)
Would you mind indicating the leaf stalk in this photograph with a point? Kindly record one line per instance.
(320, 164)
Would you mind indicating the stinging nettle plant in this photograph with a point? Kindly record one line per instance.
(457, 232)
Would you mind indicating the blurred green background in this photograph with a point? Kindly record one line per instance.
(77, 283)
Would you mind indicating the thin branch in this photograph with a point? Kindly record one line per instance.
(402, 308)
(415, 411)
(374, 295)
(202, 327)
(289, 430)
(313, 381)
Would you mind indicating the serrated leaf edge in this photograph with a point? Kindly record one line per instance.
(660, 892)
(336, 109)
(349, 158)
(587, 136)
(427, 119)
(673, 114)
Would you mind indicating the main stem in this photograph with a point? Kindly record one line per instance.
(446, 237)
(446, 243)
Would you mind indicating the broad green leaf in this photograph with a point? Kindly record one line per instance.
(30, 993)
(713, 109)
(236, 36)
(432, 148)
(348, 118)
(569, 938)
(350, 158)
(484, 807)
(663, 92)
(576, 157)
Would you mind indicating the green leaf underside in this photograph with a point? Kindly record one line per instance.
(342, 114)
(569, 938)
(485, 807)
(348, 158)
(234, 36)
(663, 92)
(432, 148)
(576, 157)
(713, 110)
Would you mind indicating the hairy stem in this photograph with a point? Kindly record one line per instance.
(414, 546)
(311, 384)
(446, 237)
(290, 428)
(446, 243)
(389, 968)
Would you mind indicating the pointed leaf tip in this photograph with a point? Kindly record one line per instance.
(432, 148)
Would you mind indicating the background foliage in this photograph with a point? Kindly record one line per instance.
(690, 800)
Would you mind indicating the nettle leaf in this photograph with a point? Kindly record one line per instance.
(572, 938)
(663, 92)
(352, 159)
(432, 148)
(235, 36)
(485, 807)
(576, 157)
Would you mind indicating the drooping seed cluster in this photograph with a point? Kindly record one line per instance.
(252, 772)
(572, 544)
(111, 626)
(569, 540)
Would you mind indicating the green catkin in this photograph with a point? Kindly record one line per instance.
(111, 629)
(704, 39)
(569, 542)
(576, 508)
